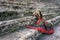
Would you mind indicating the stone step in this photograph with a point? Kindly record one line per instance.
(57, 17)
(10, 15)
(21, 14)
(20, 19)
(54, 20)
(9, 2)
(15, 20)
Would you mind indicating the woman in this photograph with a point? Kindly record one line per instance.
(39, 17)
(39, 20)
(45, 27)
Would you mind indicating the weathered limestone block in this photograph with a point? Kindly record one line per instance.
(16, 20)
(54, 20)
(30, 35)
(12, 25)
(25, 34)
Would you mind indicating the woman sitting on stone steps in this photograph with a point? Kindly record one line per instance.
(42, 26)
(39, 17)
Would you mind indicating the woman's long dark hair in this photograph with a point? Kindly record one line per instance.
(40, 14)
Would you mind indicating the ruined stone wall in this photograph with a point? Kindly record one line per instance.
(24, 14)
